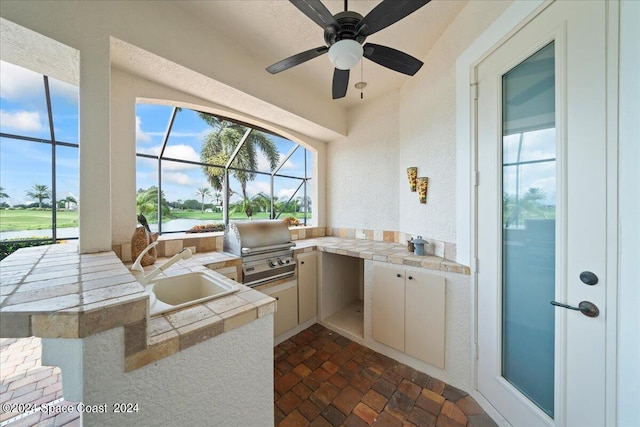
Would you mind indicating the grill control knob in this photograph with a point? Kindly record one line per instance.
(281, 261)
(272, 263)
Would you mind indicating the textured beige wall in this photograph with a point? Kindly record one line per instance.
(428, 126)
(361, 169)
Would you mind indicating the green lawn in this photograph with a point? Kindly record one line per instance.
(217, 216)
(23, 219)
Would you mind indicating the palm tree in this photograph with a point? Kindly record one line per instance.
(40, 192)
(216, 199)
(68, 200)
(202, 192)
(262, 202)
(219, 145)
(3, 195)
(147, 202)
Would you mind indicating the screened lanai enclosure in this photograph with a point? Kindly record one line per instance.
(39, 142)
(196, 171)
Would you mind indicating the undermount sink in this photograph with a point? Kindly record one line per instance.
(171, 293)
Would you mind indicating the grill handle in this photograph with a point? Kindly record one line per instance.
(263, 249)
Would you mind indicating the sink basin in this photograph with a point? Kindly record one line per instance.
(171, 293)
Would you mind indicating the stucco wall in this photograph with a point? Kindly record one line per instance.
(428, 126)
(361, 169)
(225, 381)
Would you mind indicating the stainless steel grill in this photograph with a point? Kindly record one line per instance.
(265, 247)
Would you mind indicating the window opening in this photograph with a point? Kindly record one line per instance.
(211, 169)
(38, 197)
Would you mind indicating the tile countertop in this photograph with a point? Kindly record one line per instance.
(54, 292)
(394, 253)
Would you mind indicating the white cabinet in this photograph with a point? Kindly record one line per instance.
(286, 315)
(387, 311)
(307, 286)
(408, 312)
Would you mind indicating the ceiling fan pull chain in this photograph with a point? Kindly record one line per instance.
(361, 79)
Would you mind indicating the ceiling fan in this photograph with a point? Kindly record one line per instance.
(344, 35)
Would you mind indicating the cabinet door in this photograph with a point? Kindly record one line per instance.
(286, 315)
(425, 317)
(387, 312)
(307, 286)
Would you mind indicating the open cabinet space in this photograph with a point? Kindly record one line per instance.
(342, 294)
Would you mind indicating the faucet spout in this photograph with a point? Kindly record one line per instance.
(137, 265)
(145, 279)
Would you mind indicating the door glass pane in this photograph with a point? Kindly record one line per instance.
(528, 221)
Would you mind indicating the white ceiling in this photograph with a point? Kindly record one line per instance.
(272, 30)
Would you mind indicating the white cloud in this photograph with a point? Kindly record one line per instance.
(141, 136)
(289, 165)
(182, 152)
(256, 187)
(176, 134)
(26, 121)
(177, 178)
(18, 83)
(263, 162)
(285, 193)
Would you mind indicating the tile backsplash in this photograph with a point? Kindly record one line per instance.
(210, 242)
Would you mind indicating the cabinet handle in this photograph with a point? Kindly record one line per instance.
(398, 275)
(410, 277)
(301, 262)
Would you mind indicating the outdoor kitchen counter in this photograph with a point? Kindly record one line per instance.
(54, 292)
(394, 253)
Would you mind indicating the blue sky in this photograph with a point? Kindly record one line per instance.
(23, 111)
(23, 163)
(180, 181)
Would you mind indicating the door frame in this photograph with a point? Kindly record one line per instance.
(512, 20)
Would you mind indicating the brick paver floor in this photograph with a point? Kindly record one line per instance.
(23, 380)
(321, 379)
(324, 379)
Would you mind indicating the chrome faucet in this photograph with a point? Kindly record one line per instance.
(145, 279)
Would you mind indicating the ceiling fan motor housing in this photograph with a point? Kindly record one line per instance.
(348, 22)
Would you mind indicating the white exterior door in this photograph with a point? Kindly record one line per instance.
(541, 219)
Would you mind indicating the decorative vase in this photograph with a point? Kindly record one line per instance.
(423, 183)
(412, 174)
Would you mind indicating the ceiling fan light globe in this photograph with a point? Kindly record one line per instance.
(345, 54)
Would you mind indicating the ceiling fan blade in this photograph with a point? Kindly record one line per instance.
(297, 59)
(340, 83)
(318, 13)
(392, 59)
(386, 13)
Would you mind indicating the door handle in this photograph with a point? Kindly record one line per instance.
(587, 308)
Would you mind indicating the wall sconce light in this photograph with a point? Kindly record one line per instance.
(412, 174)
(423, 183)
